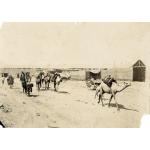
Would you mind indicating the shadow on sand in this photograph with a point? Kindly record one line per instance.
(44, 89)
(16, 88)
(33, 95)
(63, 92)
(82, 101)
(122, 107)
(50, 89)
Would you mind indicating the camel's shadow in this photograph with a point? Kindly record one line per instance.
(33, 95)
(63, 92)
(122, 107)
(60, 92)
(16, 88)
(43, 89)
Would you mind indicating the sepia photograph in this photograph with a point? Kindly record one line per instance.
(74, 74)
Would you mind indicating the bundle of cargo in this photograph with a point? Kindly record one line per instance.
(92, 84)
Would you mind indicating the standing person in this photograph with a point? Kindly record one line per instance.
(3, 80)
(23, 81)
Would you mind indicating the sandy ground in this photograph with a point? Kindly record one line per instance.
(73, 106)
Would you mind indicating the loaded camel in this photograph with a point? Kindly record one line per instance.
(112, 89)
(42, 78)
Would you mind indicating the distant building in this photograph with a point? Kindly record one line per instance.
(139, 71)
(135, 73)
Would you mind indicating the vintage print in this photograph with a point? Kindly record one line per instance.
(74, 74)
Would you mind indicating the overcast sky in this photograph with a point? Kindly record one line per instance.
(74, 44)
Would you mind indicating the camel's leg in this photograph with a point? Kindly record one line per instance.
(99, 98)
(38, 87)
(48, 85)
(115, 101)
(96, 94)
(110, 100)
(57, 86)
(54, 86)
(23, 89)
(45, 85)
(102, 100)
(40, 84)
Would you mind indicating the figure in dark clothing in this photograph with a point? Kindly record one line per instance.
(109, 80)
(25, 79)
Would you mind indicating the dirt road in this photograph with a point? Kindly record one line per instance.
(73, 106)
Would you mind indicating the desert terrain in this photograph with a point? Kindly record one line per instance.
(73, 106)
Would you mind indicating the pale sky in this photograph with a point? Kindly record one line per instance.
(74, 44)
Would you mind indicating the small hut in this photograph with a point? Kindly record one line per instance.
(139, 70)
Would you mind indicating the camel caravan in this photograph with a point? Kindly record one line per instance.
(43, 79)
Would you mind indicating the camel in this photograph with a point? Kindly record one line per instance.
(10, 81)
(39, 80)
(47, 80)
(57, 81)
(113, 90)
